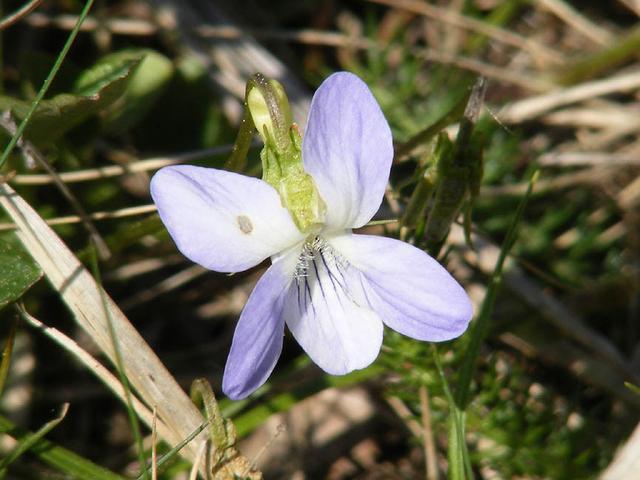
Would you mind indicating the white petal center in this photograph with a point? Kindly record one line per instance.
(327, 310)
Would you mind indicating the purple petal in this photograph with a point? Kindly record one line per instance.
(347, 148)
(221, 220)
(327, 315)
(412, 292)
(257, 341)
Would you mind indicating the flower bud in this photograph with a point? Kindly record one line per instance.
(270, 111)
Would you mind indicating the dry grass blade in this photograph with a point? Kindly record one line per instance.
(499, 74)
(539, 51)
(123, 212)
(533, 107)
(121, 26)
(573, 159)
(118, 170)
(626, 463)
(578, 22)
(633, 5)
(87, 301)
(93, 365)
(140, 27)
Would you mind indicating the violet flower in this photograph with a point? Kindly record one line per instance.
(333, 289)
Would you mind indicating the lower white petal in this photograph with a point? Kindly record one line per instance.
(327, 312)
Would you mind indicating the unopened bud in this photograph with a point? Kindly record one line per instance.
(270, 111)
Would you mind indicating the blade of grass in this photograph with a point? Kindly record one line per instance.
(481, 325)
(30, 440)
(47, 83)
(75, 466)
(91, 364)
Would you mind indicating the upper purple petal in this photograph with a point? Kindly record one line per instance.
(257, 341)
(348, 149)
(412, 292)
(222, 220)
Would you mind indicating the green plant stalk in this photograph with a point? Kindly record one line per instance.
(481, 325)
(237, 161)
(454, 449)
(622, 50)
(201, 393)
(6, 356)
(58, 457)
(133, 419)
(47, 83)
(457, 454)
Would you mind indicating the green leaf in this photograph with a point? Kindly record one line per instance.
(145, 86)
(95, 89)
(18, 272)
(104, 74)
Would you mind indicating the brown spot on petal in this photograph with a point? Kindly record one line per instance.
(244, 223)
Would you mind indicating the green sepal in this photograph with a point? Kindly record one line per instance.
(282, 165)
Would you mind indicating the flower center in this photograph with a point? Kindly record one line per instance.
(316, 255)
(322, 274)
